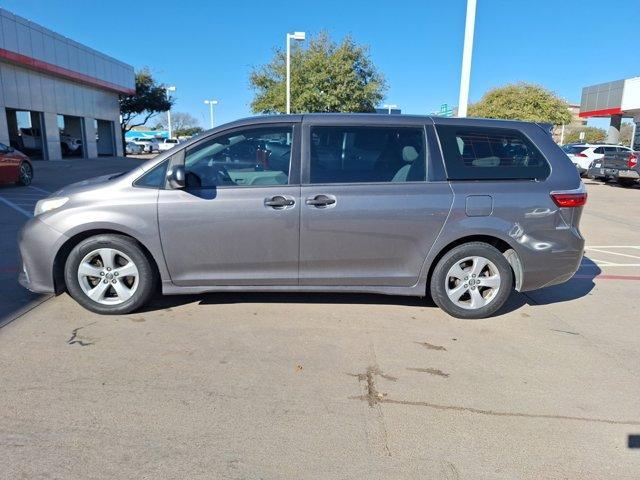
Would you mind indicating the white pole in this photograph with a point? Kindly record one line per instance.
(288, 73)
(634, 126)
(562, 135)
(467, 52)
(169, 122)
(211, 113)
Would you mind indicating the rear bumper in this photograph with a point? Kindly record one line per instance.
(39, 245)
(615, 173)
(557, 263)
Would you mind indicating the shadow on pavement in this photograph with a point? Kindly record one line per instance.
(580, 285)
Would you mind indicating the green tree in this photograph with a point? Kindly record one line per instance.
(626, 130)
(325, 77)
(522, 101)
(149, 99)
(591, 135)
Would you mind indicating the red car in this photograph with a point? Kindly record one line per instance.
(15, 166)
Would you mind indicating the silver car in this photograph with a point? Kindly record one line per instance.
(463, 210)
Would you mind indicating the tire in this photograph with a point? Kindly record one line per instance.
(25, 174)
(116, 294)
(626, 182)
(448, 280)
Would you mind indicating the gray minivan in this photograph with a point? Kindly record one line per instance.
(464, 210)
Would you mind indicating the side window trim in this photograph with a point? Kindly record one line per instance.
(305, 173)
(294, 160)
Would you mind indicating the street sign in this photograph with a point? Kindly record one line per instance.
(445, 111)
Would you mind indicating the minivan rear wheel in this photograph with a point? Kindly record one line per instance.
(109, 275)
(473, 280)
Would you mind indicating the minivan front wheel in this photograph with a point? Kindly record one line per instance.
(109, 274)
(473, 280)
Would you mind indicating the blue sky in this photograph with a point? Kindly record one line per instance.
(207, 48)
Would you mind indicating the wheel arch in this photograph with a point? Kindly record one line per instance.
(502, 245)
(65, 249)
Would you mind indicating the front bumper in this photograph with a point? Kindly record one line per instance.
(39, 244)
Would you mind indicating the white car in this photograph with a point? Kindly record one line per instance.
(149, 145)
(582, 154)
(70, 144)
(168, 143)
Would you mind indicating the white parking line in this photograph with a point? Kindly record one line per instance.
(17, 208)
(601, 250)
(39, 190)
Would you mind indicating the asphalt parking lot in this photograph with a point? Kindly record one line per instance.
(266, 386)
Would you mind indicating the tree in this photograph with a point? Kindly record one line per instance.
(182, 124)
(149, 99)
(626, 130)
(325, 77)
(522, 101)
(591, 134)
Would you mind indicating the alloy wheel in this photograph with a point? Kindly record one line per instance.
(472, 282)
(108, 276)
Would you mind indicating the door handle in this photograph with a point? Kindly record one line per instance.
(321, 200)
(279, 202)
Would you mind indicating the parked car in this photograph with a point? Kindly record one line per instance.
(70, 145)
(621, 166)
(583, 154)
(149, 145)
(15, 166)
(462, 209)
(27, 139)
(168, 144)
(133, 148)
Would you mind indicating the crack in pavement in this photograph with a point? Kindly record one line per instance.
(74, 340)
(431, 346)
(432, 371)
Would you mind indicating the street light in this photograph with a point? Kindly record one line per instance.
(172, 88)
(467, 51)
(390, 106)
(211, 103)
(299, 36)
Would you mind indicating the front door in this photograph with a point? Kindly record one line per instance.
(237, 220)
(368, 215)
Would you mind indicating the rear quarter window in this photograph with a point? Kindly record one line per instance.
(479, 153)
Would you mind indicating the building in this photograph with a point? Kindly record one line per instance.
(613, 100)
(58, 97)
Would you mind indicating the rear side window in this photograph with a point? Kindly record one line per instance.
(367, 155)
(477, 153)
(574, 150)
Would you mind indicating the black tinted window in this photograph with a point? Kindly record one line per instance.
(367, 154)
(476, 153)
(599, 150)
(572, 149)
(154, 178)
(244, 158)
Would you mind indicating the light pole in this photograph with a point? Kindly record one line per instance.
(172, 88)
(467, 52)
(299, 36)
(390, 106)
(211, 103)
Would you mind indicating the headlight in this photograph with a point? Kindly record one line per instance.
(48, 204)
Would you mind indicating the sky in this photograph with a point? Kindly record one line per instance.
(207, 49)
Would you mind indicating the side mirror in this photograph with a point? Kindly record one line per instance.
(176, 176)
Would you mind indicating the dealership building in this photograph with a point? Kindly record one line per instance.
(58, 98)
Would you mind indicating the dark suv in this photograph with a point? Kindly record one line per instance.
(462, 209)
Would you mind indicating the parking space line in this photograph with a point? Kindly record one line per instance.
(39, 190)
(614, 253)
(17, 208)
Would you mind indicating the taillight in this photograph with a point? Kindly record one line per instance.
(570, 198)
(632, 161)
(580, 155)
